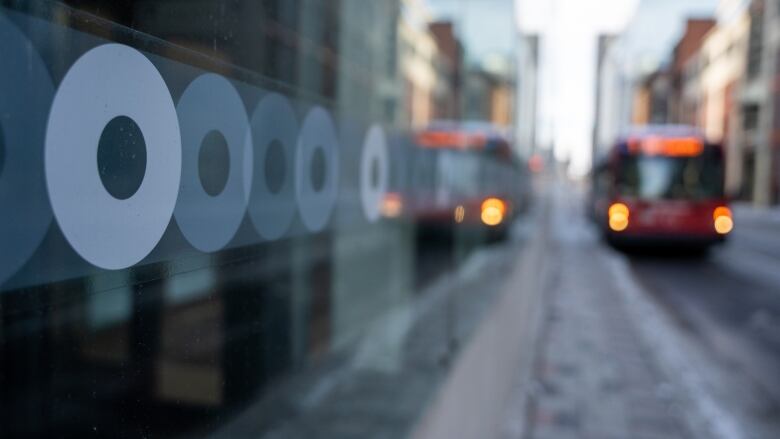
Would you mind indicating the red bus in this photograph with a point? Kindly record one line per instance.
(464, 176)
(662, 185)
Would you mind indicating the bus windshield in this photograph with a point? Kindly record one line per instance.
(670, 178)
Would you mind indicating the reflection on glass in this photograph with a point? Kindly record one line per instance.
(316, 296)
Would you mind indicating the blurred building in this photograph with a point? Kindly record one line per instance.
(737, 72)
(502, 101)
(751, 96)
(488, 96)
(602, 99)
(707, 68)
(724, 77)
(478, 96)
(614, 94)
(486, 76)
(722, 61)
(763, 90)
(448, 96)
(639, 80)
(418, 54)
(369, 81)
(527, 94)
(685, 71)
(652, 103)
(420, 80)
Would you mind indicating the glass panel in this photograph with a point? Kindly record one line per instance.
(218, 219)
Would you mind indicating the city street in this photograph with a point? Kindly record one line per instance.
(653, 344)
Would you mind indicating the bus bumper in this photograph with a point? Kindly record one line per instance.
(664, 240)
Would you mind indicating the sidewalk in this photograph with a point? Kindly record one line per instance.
(594, 375)
(594, 378)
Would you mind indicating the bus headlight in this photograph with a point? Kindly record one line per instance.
(723, 221)
(493, 211)
(392, 205)
(618, 217)
(459, 213)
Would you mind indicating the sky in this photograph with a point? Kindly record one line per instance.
(569, 29)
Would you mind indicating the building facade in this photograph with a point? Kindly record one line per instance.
(764, 74)
(527, 94)
(614, 95)
(685, 69)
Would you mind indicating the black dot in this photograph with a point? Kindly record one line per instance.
(2, 149)
(121, 157)
(214, 163)
(318, 169)
(374, 173)
(275, 164)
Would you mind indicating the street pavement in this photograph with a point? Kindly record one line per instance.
(653, 345)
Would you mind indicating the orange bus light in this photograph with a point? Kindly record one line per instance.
(721, 211)
(618, 217)
(392, 205)
(493, 211)
(724, 225)
(723, 221)
(460, 214)
(618, 208)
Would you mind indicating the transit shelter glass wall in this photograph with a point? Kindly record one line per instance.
(219, 218)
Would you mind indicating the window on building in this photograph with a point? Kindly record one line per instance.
(755, 41)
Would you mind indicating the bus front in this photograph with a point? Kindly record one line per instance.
(667, 190)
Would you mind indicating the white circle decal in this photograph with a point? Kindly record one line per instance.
(317, 169)
(374, 172)
(274, 131)
(212, 198)
(26, 89)
(110, 95)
